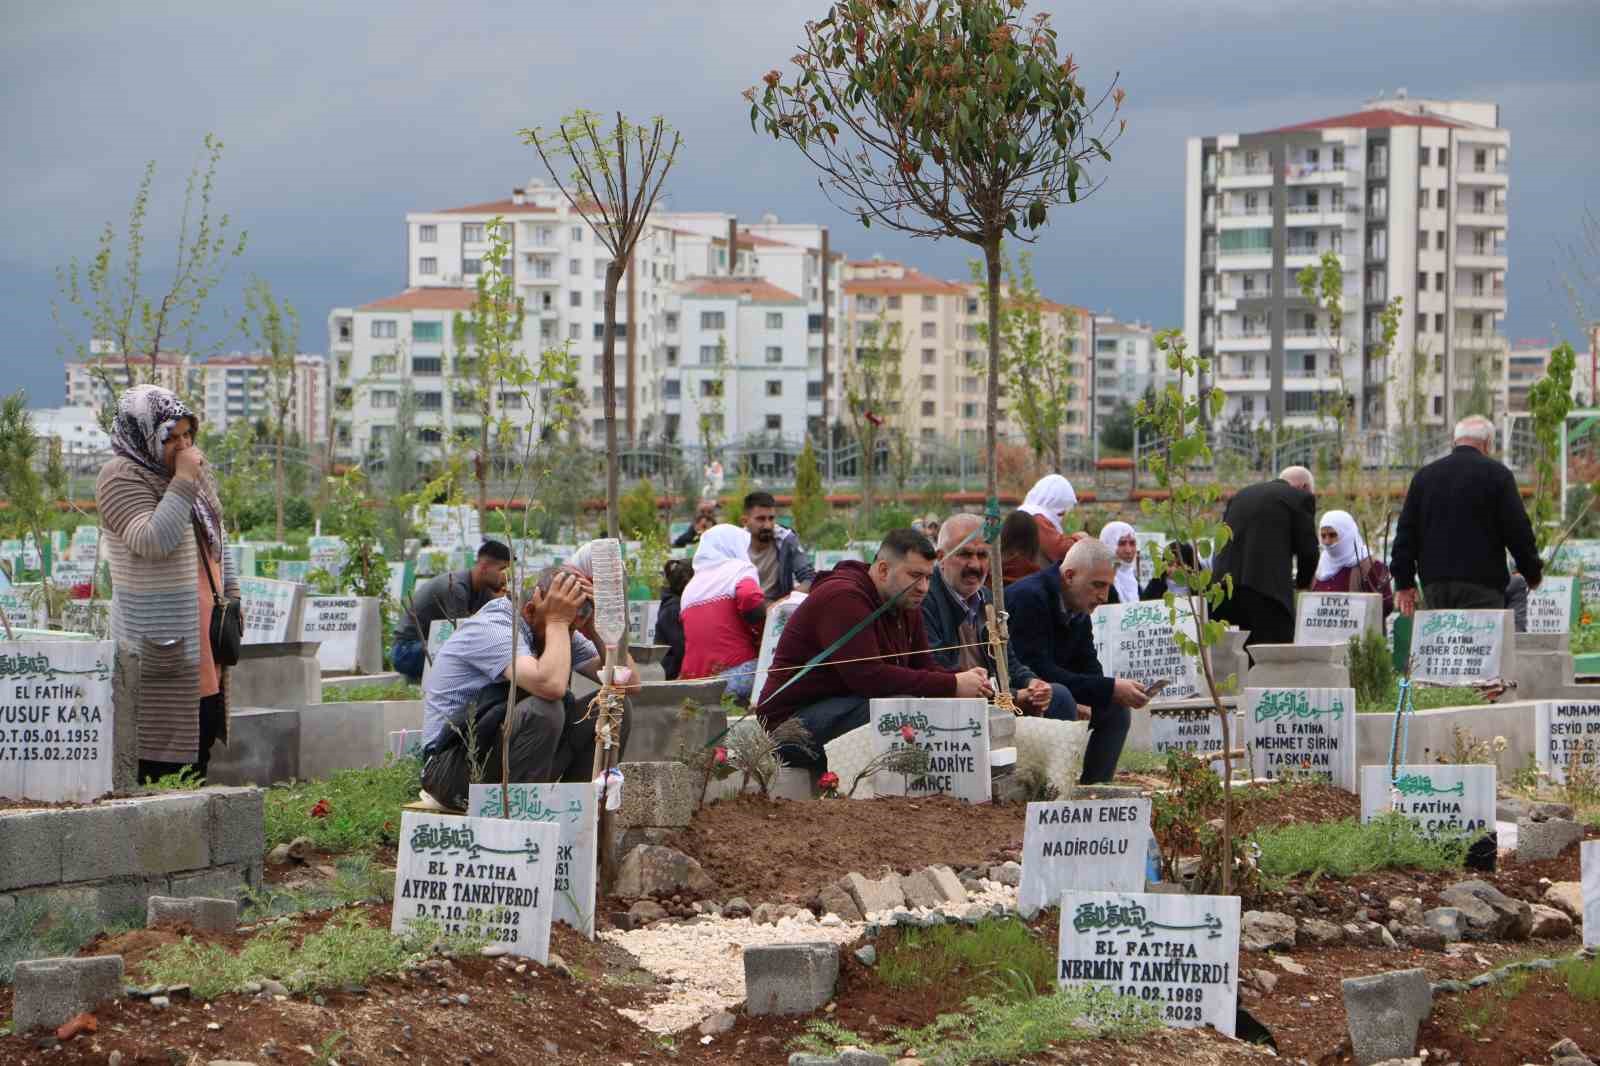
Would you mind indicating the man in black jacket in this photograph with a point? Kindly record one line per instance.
(1272, 552)
(1462, 514)
(1053, 636)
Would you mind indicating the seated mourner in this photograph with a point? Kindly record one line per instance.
(471, 680)
(454, 595)
(1053, 635)
(887, 656)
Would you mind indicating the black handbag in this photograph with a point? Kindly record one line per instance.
(227, 616)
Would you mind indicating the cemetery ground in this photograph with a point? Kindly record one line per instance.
(313, 976)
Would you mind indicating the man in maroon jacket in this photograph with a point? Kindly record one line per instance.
(889, 657)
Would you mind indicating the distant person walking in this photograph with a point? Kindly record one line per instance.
(1272, 553)
(1048, 502)
(1461, 516)
(161, 528)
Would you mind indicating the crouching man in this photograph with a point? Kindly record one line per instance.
(469, 689)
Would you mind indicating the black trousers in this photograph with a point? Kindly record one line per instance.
(1268, 621)
(1108, 730)
(212, 716)
(1462, 596)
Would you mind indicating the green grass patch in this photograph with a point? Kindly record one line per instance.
(395, 690)
(1423, 698)
(348, 950)
(1583, 979)
(362, 807)
(356, 880)
(998, 953)
(29, 929)
(1348, 847)
(1141, 762)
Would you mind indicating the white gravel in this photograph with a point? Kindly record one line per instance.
(702, 961)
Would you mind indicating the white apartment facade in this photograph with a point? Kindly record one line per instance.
(76, 426)
(1411, 196)
(235, 388)
(101, 378)
(1126, 363)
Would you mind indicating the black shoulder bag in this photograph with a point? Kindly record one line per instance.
(227, 616)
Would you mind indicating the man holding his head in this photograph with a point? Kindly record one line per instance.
(1273, 551)
(1053, 636)
(956, 617)
(886, 657)
(774, 550)
(1461, 516)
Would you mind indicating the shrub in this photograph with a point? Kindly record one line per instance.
(362, 807)
(1371, 669)
(637, 513)
(1349, 847)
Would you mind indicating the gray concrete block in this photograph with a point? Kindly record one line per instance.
(51, 991)
(1384, 1012)
(126, 685)
(219, 882)
(656, 794)
(789, 978)
(171, 833)
(200, 912)
(263, 748)
(1298, 665)
(238, 825)
(277, 675)
(1545, 838)
(361, 680)
(30, 848)
(99, 842)
(1002, 728)
(341, 736)
(660, 727)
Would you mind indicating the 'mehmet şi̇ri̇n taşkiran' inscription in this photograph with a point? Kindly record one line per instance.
(55, 719)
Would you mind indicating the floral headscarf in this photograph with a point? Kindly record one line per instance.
(146, 415)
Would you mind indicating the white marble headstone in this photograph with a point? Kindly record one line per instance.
(1566, 733)
(572, 809)
(1191, 730)
(56, 719)
(439, 632)
(778, 615)
(1134, 641)
(1177, 953)
(1146, 565)
(22, 610)
(1303, 732)
(1442, 799)
(1589, 859)
(642, 621)
(1335, 617)
(336, 622)
(1550, 606)
(405, 743)
(271, 610)
(487, 877)
(954, 733)
(1458, 647)
(327, 553)
(1082, 845)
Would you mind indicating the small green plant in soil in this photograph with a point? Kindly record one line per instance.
(1423, 698)
(1583, 979)
(998, 954)
(348, 950)
(1181, 818)
(1372, 672)
(187, 779)
(357, 879)
(1349, 847)
(354, 810)
(1141, 762)
(29, 929)
(395, 690)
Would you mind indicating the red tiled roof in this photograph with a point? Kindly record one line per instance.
(425, 300)
(761, 292)
(498, 207)
(756, 240)
(913, 281)
(1377, 118)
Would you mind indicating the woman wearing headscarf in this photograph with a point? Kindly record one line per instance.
(722, 611)
(161, 529)
(1346, 565)
(1120, 538)
(1048, 501)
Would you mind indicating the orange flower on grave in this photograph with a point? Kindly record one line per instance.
(321, 809)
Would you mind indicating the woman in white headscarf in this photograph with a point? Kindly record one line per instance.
(722, 611)
(1049, 501)
(1120, 538)
(1346, 565)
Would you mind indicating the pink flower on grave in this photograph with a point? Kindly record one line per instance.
(719, 756)
(828, 781)
(908, 734)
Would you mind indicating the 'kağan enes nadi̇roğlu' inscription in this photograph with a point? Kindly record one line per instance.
(484, 877)
(1302, 732)
(56, 720)
(1082, 845)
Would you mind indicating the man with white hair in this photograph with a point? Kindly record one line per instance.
(1273, 551)
(1461, 516)
(1054, 637)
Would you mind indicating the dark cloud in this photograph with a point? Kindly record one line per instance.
(339, 118)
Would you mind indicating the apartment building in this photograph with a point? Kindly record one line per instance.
(234, 388)
(101, 378)
(1410, 195)
(1126, 363)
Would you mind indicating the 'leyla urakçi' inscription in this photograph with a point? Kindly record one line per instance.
(56, 720)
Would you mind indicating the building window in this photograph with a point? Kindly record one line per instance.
(710, 387)
(672, 321)
(430, 401)
(574, 298)
(930, 356)
(427, 332)
(599, 301)
(574, 267)
(472, 266)
(774, 423)
(930, 303)
(1444, 157)
(1439, 200)
(672, 355)
(894, 303)
(927, 408)
(427, 234)
(1438, 240)
(713, 320)
(385, 398)
(774, 387)
(383, 329)
(1422, 281)
(1438, 323)
(670, 388)
(866, 303)
(427, 265)
(774, 355)
(1422, 156)
(577, 233)
(426, 366)
(969, 410)
(575, 332)
(813, 390)
(1438, 282)
(600, 268)
(510, 401)
(774, 319)
(930, 329)
(472, 231)
(385, 364)
(814, 323)
(928, 382)
(708, 354)
(1438, 405)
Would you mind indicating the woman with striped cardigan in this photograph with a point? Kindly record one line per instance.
(161, 528)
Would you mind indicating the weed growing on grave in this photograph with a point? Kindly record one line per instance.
(1467, 749)
(1349, 847)
(1423, 698)
(1371, 669)
(1528, 777)
(363, 807)
(1036, 787)
(395, 690)
(29, 929)
(1583, 979)
(356, 880)
(348, 950)
(999, 953)
(1181, 818)
(185, 780)
(754, 752)
(1582, 787)
(1141, 762)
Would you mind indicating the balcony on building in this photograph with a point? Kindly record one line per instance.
(1477, 248)
(1240, 170)
(1488, 296)
(1476, 209)
(1482, 166)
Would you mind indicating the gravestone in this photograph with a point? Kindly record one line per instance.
(1459, 647)
(70, 573)
(484, 877)
(85, 537)
(1566, 734)
(1589, 861)
(271, 610)
(778, 615)
(402, 579)
(327, 554)
(1082, 845)
(22, 610)
(1178, 953)
(406, 743)
(954, 733)
(1190, 729)
(827, 560)
(642, 616)
(88, 616)
(1302, 732)
(1135, 641)
(572, 809)
(296, 570)
(241, 559)
(1552, 605)
(348, 628)
(1440, 799)
(1146, 565)
(1335, 617)
(56, 720)
(1581, 555)
(439, 632)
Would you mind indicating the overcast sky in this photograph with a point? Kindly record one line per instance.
(339, 117)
